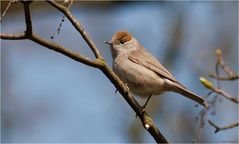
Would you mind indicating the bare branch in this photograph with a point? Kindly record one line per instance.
(58, 48)
(226, 95)
(218, 128)
(221, 62)
(144, 117)
(203, 113)
(18, 36)
(231, 76)
(234, 77)
(59, 27)
(68, 4)
(28, 20)
(98, 63)
(22, 35)
(52, 45)
(219, 91)
(77, 26)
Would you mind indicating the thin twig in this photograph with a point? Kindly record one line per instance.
(203, 113)
(219, 91)
(145, 119)
(68, 4)
(226, 95)
(58, 48)
(98, 63)
(218, 128)
(217, 72)
(18, 36)
(220, 62)
(5, 11)
(77, 26)
(59, 28)
(234, 77)
(231, 76)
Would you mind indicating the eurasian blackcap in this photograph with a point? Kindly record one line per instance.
(143, 73)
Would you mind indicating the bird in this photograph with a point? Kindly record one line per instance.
(142, 72)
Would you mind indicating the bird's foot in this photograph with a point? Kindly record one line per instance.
(143, 110)
(127, 87)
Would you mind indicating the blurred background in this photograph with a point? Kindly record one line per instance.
(48, 97)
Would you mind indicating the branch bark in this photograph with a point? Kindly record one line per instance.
(226, 95)
(77, 25)
(19, 36)
(96, 63)
(233, 77)
(218, 128)
(219, 91)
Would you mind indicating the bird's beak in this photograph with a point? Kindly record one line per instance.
(108, 42)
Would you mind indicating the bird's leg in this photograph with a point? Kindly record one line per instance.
(144, 106)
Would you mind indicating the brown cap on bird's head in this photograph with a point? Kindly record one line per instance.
(120, 37)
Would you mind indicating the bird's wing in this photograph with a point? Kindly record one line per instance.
(144, 58)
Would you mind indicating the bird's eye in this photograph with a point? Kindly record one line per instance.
(122, 42)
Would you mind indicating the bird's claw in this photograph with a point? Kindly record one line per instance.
(127, 88)
(143, 110)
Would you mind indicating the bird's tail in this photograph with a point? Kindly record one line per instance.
(185, 92)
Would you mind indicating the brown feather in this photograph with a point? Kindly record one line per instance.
(122, 36)
(144, 58)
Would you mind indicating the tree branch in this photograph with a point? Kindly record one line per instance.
(18, 36)
(58, 48)
(77, 26)
(97, 63)
(218, 128)
(234, 77)
(220, 61)
(145, 119)
(68, 4)
(231, 76)
(226, 95)
(219, 91)
(46, 43)
(28, 20)
(203, 113)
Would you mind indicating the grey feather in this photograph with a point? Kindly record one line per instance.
(144, 58)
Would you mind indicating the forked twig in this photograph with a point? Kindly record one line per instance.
(218, 128)
(98, 62)
(231, 75)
